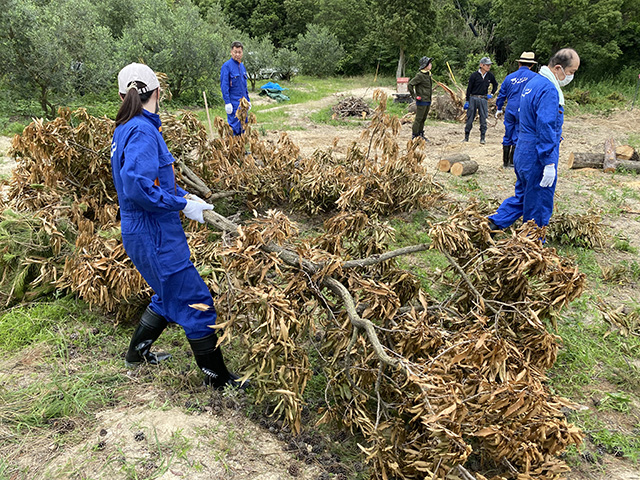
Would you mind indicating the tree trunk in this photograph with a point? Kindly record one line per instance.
(626, 152)
(627, 165)
(444, 165)
(585, 160)
(464, 168)
(400, 69)
(609, 164)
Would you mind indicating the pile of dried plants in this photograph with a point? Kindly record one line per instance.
(449, 389)
(351, 107)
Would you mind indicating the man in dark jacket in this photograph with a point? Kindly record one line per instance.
(420, 89)
(477, 95)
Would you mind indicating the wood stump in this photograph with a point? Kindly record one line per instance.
(444, 165)
(464, 168)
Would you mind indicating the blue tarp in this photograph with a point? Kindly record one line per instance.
(273, 86)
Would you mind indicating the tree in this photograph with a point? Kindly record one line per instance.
(319, 51)
(287, 63)
(58, 48)
(406, 24)
(590, 26)
(258, 59)
(175, 41)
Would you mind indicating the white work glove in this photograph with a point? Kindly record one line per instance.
(498, 113)
(548, 175)
(249, 106)
(228, 108)
(194, 209)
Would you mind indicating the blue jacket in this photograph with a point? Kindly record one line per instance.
(511, 88)
(233, 82)
(143, 174)
(541, 119)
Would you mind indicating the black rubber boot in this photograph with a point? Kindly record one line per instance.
(494, 228)
(209, 358)
(511, 152)
(506, 151)
(466, 136)
(149, 329)
(482, 140)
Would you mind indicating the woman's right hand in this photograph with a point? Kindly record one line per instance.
(194, 210)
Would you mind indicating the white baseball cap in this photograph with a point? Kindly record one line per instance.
(137, 72)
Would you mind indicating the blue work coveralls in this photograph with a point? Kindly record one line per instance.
(233, 84)
(541, 119)
(152, 233)
(510, 91)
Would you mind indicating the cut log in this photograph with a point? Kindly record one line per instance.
(464, 168)
(627, 165)
(609, 164)
(585, 160)
(627, 152)
(444, 165)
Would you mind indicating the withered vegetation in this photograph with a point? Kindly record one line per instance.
(450, 389)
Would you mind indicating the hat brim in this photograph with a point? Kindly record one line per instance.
(526, 60)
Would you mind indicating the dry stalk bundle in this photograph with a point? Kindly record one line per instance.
(427, 384)
(351, 107)
(622, 319)
(581, 230)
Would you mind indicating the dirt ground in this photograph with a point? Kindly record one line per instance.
(250, 451)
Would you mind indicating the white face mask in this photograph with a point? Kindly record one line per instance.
(567, 79)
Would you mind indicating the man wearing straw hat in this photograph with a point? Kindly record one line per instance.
(510, 91)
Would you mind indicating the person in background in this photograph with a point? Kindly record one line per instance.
(476, 97)
(233, 84)
(510, 91)
(152, 234)
(538, 148)
(420, 88)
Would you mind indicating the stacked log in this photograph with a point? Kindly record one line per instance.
(445, 164)
(464, 168)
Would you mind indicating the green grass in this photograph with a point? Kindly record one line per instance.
(601, 98)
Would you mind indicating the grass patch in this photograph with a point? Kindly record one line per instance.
(591, 353)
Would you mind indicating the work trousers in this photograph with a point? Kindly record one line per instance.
(477, 104)
(421, 116)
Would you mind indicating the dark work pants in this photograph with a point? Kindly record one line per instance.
(477, 104)
(421, 116)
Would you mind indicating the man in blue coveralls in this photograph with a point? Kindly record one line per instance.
(233, 83)
(538, 147)
(510, 91)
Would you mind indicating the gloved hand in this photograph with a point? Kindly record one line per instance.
(548, 175)
(466, 105)
(249, 107)
(228, 108)
(194, 209)
(489, 96)
(498, 113)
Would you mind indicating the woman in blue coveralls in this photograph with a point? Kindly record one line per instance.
(152, 234)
